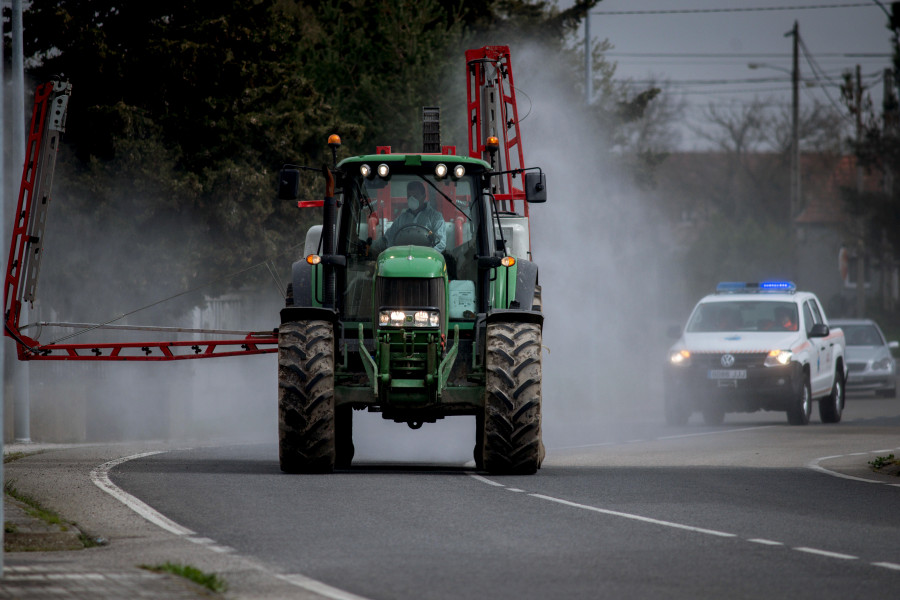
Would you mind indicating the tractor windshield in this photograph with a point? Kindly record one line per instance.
(410, 209)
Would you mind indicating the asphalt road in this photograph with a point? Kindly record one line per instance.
(752, 509)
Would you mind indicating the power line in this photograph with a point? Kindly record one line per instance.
(875, 76)
(742, 55)
(730, 10)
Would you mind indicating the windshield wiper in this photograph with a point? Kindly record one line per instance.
(446, 197)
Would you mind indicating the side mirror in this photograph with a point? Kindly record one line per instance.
(289, 184)
(819, 330)
(893, 345)
(535, 187)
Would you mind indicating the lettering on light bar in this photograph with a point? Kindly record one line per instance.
(746, 287)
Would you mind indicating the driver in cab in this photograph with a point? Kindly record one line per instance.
(418, 218)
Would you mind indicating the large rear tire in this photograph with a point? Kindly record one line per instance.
(512, 401)
(832, 408)
(801, 406)
(306, 415)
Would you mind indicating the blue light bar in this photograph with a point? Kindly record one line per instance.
(778, 286)
(746, 287)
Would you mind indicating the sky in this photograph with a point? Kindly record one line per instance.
(705, 55)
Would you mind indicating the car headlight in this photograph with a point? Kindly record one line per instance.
(682, 358)
(409, 318)
(885, 364)
(778, 358)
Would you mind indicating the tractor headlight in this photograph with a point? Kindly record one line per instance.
(409, 318)
(383, 170)
(365, 170)
(440, 171)
(778, 358)
(459, 171)
(681, 358)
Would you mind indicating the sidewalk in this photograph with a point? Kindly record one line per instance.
(43, 561)
(58, 477)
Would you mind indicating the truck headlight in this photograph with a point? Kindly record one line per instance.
(409, 318)
(778, 358)
(682, 358)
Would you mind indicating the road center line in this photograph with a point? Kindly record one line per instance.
(826, 553)
(634, 517)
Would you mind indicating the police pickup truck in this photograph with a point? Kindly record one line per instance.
(756, 346)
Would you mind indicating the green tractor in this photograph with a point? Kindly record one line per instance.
(416, 297)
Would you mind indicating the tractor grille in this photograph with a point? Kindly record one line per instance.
(409, 292)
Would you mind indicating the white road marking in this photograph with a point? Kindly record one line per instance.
(687, 435)
(634, 517)
(485, 480)
(691, 528)
(765, 542)
(826, 553)
(100, 476)
(318, 587)
(815, 466)
(514, 490)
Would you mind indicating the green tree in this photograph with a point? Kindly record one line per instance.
(182, 112)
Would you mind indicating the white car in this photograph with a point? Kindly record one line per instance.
(872, 366)
(756, 346)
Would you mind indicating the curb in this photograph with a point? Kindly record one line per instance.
(25, 533)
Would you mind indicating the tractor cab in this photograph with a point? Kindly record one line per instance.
(413, 217)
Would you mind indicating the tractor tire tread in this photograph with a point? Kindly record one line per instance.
(306, 414)
(512, 414)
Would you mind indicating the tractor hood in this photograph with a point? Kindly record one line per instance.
(411, 261)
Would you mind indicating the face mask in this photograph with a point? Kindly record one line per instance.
(413, 204)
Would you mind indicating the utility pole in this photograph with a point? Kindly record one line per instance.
(889, 124)
(19, 372)
(2, 237)
(795, 125)
(588, 63)
(861, 242)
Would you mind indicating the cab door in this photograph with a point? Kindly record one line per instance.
(821, 361)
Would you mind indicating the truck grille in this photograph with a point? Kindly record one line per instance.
(713, 360)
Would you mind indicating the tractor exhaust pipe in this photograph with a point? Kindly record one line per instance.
(431, 129)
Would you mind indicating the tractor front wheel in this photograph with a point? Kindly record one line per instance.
(306, 415)
(512, 403)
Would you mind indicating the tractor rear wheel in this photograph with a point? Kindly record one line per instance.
(306, 415)
(512, 402)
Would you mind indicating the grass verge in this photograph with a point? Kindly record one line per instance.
(886, 464)
(210, 581)
(33, 507)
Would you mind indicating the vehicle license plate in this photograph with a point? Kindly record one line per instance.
(727, 374)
